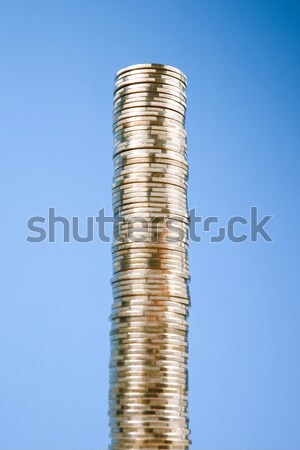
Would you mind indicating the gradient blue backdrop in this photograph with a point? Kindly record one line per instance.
(58, 60)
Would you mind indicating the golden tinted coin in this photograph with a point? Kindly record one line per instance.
(148, 395)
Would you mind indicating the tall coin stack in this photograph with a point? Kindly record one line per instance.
(149, 350)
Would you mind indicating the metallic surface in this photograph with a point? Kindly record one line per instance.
(148, 396)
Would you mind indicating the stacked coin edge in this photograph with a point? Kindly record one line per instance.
(148, 396)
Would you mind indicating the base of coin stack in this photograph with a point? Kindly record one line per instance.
(148, 396)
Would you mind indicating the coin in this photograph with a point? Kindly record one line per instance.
(148, 118)
(170, 156)
(178, 253)
(150, 150)
(162, 170)
(170, 144)
(162, 101)
(138, 254)
(127, 133)
(133, 180)
(150, 68)
(165, 79)
(168, 197)
(157, 150)
(152, 188)
(146, 88)
(160, 81)
(150, 278)
(138, 304)
(150, 111)
(138, 102)
(153, 160)
(155, 125)
(127, 129)
(147, 420)
(141, 351)
(161, 78)
(171, 203)
(178, 145)
(148, 395)
(142, 215)
(150, 141)
(145, 100)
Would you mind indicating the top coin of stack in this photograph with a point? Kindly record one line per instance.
(148, 401)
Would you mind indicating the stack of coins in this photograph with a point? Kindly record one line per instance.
(149, 349)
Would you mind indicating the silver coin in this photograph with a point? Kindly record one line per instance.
(150, 160)
(166, 155)
(153, 73)
(139, 102)
(149, 141)
(151, 263)
(171, 136)
(165, 200)
(174, 256)
(142, 216)
(151, 188)
(150, 309)
(173, 208)
(181, 299)
(142, 115)
(156, 428)
(154, 131)
(141, 309)
(154, 89)
(150, 349)
(156, 125)
(159, 277)
(130, 295)
(133, 169)
(157, 179)
(148, 422)
(163, 78)
(148, 116)
(156, 94)
(151, 318)
(150, 68)
(156, 150)
(148, 111)
(153, 84)
(147, 88)
(134, 335)
(177, 258)
(150, 144)
(141, 142)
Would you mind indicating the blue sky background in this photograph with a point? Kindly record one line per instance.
(58, 60)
